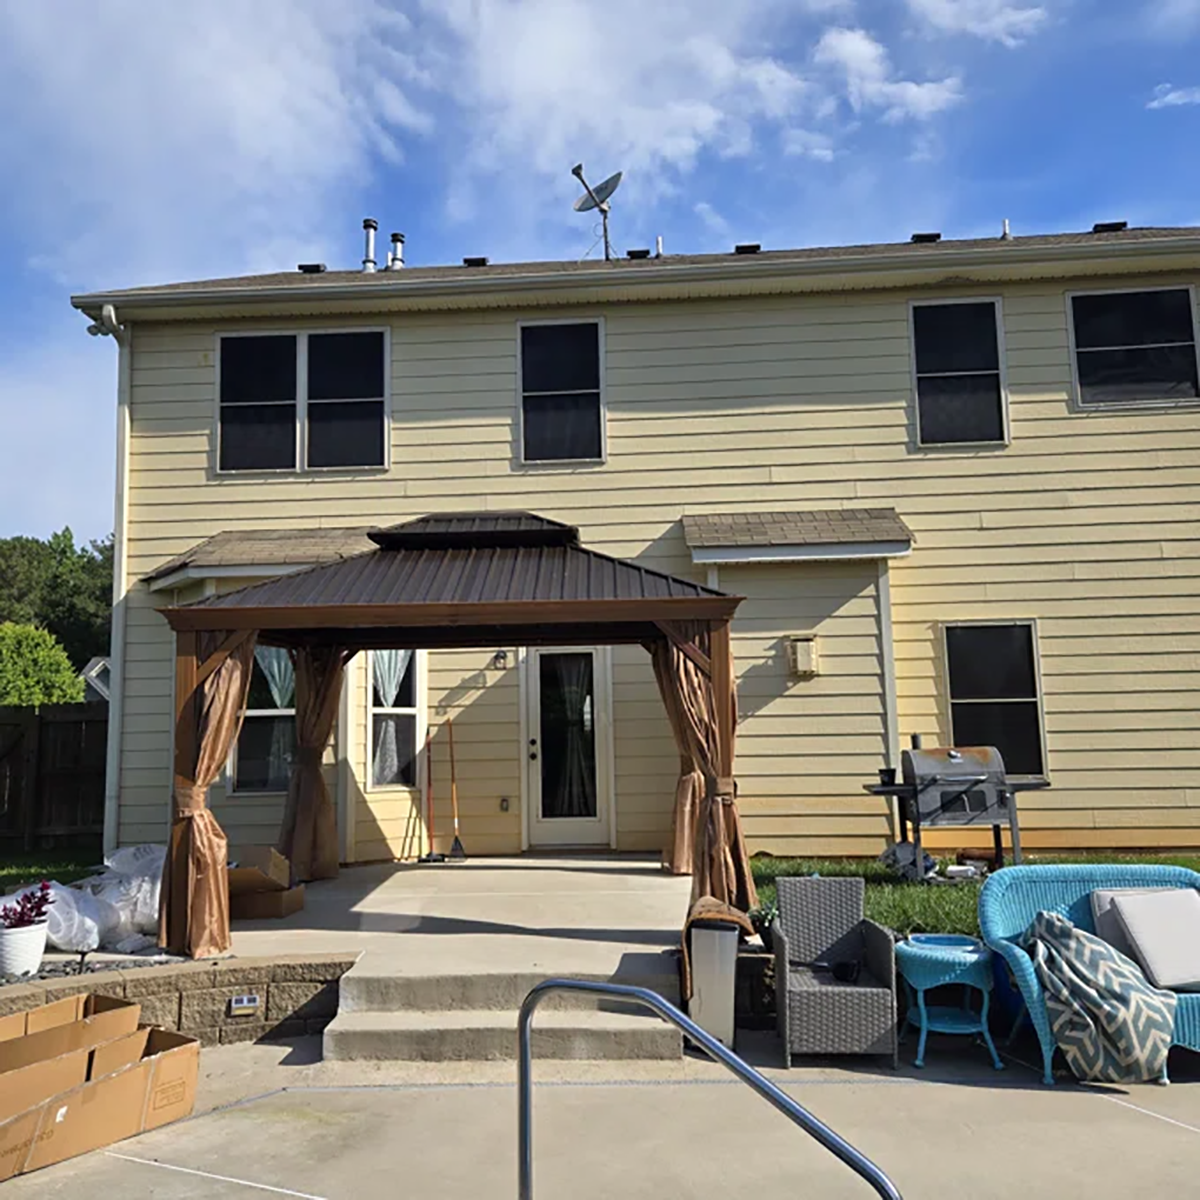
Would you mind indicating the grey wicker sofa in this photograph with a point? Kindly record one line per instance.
(821, 921)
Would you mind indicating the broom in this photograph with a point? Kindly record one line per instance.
(432, 856)
(457, 853)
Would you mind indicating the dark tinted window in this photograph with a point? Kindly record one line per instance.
(562, 427)
(960, 408)
(560, 384)
(1132, 319)
(1135, 346)
(258, 437)
(560, 358)
(994, 692)
(266, 749)
(959, 398)
(346, 433)
(345, 366)
(955, 337)
(258, 370)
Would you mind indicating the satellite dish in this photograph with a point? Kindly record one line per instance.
(597, 198)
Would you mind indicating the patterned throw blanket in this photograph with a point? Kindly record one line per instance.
(1110, 1024)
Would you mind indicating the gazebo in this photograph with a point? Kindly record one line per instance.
(444, 581)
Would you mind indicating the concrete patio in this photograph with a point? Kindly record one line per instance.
(274, 1120)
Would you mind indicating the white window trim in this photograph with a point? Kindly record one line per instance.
(301, 403)
(231, 764)
(1039, 698)
(549, 464)
(1078, 404)
(420, 711)
(1001, 351)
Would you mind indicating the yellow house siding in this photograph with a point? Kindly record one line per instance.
(1086, 522)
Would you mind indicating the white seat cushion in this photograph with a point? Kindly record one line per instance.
(1164, 930)
(1104, 916)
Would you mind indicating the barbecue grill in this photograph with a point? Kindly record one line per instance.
(956, 785)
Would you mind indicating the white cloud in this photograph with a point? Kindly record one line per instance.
(713, 221)
(993, 20)
(806, 143)
(867, 72)
(1166, 96)
(1173, 18)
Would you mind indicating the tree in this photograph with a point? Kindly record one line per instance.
(34, 668)
(62, 587)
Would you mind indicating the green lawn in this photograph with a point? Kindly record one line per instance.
(916, 907)
(65, 866)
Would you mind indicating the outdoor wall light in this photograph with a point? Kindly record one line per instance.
(499, 660)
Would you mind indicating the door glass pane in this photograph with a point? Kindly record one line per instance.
(567, 745)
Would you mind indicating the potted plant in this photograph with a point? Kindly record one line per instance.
(23, 932)
(761, 918)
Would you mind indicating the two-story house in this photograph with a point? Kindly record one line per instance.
(957, 483)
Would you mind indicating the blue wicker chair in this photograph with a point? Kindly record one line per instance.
(1011, 898)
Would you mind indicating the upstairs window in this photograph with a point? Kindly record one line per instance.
(561, 414)
(994, 695)
(1135, 347)
(317, 399)
(960, 388)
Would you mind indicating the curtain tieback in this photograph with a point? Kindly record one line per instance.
(190, 800)
(310, 757)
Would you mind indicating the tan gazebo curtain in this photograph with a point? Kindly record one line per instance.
(309, 835)
(212, 678)
(694, 670)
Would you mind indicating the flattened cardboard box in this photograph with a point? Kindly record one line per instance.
(138, 1082)
(257, 906)
(257, 869)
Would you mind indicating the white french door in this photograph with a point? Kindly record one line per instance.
(568, 747)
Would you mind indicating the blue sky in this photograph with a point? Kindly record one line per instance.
(148, 142)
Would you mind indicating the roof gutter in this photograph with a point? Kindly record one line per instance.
(933, 264)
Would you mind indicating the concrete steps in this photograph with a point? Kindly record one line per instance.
(491, 1034)
(386, 1014)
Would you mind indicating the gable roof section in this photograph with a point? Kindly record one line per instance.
(464, 577)
(835, 533)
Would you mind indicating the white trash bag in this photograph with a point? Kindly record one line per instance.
(131, 883)
(77, 921)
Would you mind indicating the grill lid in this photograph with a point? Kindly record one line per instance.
(952, 762)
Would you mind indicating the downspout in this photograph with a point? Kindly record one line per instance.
(107, 325)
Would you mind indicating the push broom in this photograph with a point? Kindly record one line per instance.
(457, 853)
(433, 856)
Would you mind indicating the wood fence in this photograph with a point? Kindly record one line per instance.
(52, 774)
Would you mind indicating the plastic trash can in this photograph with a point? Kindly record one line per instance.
(714, 972)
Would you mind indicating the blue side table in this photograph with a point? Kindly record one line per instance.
(929, 960)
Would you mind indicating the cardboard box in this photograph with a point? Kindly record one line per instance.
(257, 869)
(134, 1083)
(76, 1023)
(257, 906)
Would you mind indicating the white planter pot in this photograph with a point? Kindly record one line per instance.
(21, 949)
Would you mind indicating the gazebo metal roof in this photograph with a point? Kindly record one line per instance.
(461, 580)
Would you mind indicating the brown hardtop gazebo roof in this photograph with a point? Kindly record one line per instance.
(461, 580)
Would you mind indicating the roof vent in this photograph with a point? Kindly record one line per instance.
(369, 227)
(1110, 226)
(926, 239)
(477, 260)
(395, 258)
(311, 268)
(637, 253)
(747, 248)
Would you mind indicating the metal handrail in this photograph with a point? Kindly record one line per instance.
(836, 1145)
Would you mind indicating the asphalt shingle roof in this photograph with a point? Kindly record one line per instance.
(815, 527)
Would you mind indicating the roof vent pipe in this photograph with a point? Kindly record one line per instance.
(1005, 232)
(396, 257)
(658, 246)
(369, 227)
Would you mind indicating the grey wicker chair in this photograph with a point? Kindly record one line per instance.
(821, 921)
